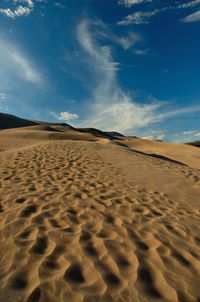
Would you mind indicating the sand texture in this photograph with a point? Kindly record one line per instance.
(87, 219)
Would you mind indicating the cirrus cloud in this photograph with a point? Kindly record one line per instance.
(15, 65)
(129, 3)
(109, 106)
(192, 18)
(142, 17)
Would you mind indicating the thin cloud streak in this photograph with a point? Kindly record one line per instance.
(142, 17)
(29, 73)
(192, 18)
(15, 65)
(129, 3)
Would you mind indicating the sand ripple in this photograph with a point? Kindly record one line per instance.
(78, 225)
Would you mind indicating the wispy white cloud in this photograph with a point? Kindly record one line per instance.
(29, 73)
(142, 17)
(16, 65)
(154, 137)
(178, 112)
(186, 136)
(189, 4)
(101, 30)
(194, 133)
(141, 52)
(129, 40)
(110, 107)
(3, 102)
(59, 5)
(2, 96)
(192, 18)
(29, 3)
(188, 132)
(129, 3)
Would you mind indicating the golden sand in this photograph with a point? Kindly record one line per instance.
(88, 219)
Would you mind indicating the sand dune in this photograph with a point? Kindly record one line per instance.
(26, 136)
(84, 219)
(11, 121)
(186, 154)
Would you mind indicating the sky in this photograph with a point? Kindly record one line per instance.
(131, 66)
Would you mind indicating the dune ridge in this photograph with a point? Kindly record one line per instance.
(85, 218)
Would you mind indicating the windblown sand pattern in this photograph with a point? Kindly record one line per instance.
(85, 221)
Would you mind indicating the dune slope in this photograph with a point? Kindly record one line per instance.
(188, 155)
(89, 220)
(11, 121)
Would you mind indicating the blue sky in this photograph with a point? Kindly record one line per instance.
(131, 66)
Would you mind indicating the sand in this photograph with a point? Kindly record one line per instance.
(88, 219)
(188, 155)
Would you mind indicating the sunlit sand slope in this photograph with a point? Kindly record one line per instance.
(86, 221)
(188, 155)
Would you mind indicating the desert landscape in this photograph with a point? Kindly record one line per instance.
(86, 216)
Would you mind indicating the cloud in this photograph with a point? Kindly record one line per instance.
(67, 116)
(18, 12)
(139, 17)
(2, 96)
(29, 73)
(192, 18)
(187, 136)
(19, 8)
(59, 5)
(29, 3)
(129, 3)
(142, 17)
(128, 41)
(189, 4)
(178, 112)
(109, 107)
(141, 52)
(188, 132)
(150, 137)
(101, 30)
(3, 102)
(64, 116)
(16, 65)
(191, 132)
(112, 108)
(154, 137)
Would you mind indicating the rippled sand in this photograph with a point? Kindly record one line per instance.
(85, 219)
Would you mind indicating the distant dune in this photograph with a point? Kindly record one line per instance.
(11, 121)
(195, 144)
(183, 153)
(95, 132)
(114, 133)
(85, 217)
